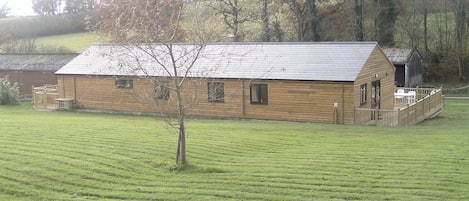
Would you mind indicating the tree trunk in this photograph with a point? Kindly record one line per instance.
(359, 20)
(297, 12)
(414, 12)
(460, 32)
(385, 20)
(314, 22)
(182, 143)
(235, 23)
(425, 25)
(265, 22)
(181, 151)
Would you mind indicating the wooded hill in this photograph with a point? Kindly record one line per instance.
(437, 28)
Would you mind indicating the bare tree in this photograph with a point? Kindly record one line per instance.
(265, 35)
(147, 31)
(425, 25)
(299, 11)
(385, 19)
(231, 11)
(460, 35)
(314, 20)
(4, 10)
(47, 7)
(358, 20)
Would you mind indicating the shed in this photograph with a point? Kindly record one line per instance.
(308, 82)
(32, 69)
(409, 66)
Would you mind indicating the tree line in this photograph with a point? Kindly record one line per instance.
(437, 28)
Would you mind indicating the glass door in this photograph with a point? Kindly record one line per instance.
(376, 94)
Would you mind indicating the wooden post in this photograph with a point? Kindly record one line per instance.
(34, 97)
(336, 105)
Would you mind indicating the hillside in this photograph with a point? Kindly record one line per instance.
(76, 42)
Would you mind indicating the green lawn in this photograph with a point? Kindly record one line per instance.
(80, 156)
(77, 42)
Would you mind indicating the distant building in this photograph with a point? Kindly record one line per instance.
(32, 69)
(409, 66)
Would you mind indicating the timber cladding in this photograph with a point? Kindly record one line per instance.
(377, 68)
(305, 82)
(27, 79)
(303, 101)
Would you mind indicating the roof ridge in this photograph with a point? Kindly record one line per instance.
(248, 43)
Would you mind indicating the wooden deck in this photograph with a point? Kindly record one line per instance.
(428, 104)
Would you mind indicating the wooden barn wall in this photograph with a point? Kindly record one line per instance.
(378, 67)
(27, 79)
(287, 100)
(304, 101)
(415, 70)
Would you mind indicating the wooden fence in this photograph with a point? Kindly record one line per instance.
(429, 103)
(45, 97)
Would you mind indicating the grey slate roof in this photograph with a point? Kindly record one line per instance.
(398, 56)
(34, 62)
(324, 61)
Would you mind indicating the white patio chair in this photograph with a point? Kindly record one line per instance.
(411, 95)
(400, 94)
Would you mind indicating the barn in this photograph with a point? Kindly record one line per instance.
(34, 69)
(320, 82)
(409, 66)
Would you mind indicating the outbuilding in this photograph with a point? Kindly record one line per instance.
(35, 69)
(320, 82)
(409, 66)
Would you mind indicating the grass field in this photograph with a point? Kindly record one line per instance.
(80, 156)
(77, 42)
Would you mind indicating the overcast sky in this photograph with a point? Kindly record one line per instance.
(19, 7)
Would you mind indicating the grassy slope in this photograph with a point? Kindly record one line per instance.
(76, 42)
(71, 156)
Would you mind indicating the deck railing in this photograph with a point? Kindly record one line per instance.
(44, 97)
(428, 104)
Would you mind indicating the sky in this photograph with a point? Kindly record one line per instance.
(19, 7)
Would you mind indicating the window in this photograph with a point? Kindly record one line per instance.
(126, 84)
(216, 92)
(259, 94)
(162, 90)
(363, 94)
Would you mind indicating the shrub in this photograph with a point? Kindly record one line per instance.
(8, 94)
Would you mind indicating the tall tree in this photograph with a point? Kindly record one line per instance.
(76, 6)
(265, 36)
(358, 20)
(387, 12)
(314, 20)
(232, 10)
(299, 11)
(425, 25)
(460, 35)
(307, 17)
(4, 10)
(149, 29)
(46, 7)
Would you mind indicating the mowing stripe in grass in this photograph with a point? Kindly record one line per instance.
(70, 156)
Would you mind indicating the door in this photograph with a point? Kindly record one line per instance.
(376, 94)
(375, 99)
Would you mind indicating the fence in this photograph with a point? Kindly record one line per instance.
(45, 97)
(429, 103)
